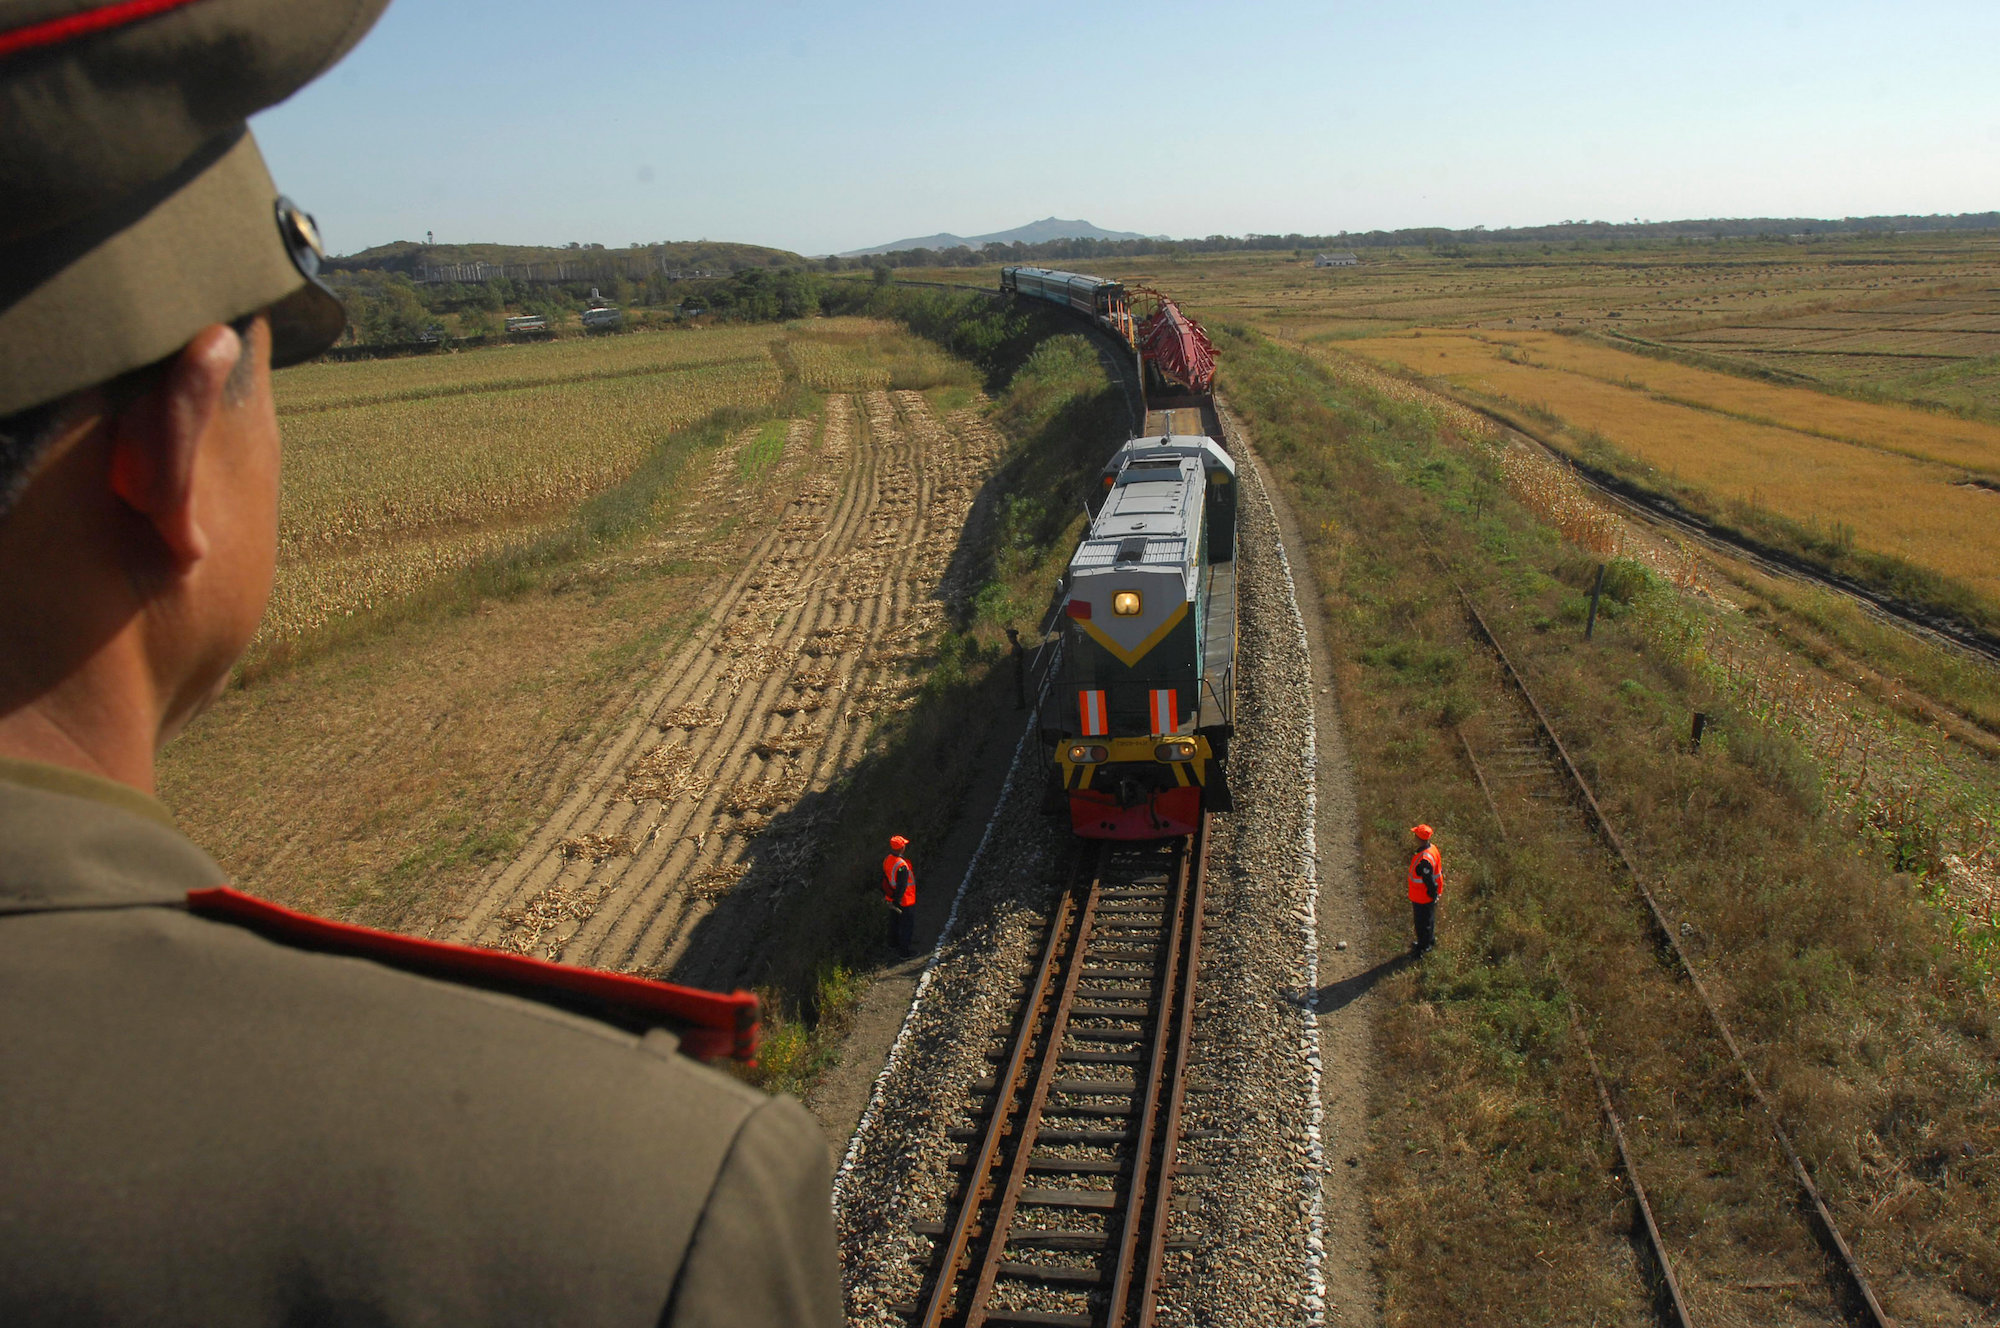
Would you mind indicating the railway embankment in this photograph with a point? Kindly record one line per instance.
(1247, 1239)
(1860, 990)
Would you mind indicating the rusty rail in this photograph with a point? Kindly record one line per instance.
(1099, 931)
(1862, 1300)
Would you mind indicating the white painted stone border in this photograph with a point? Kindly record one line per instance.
(1315, 1185)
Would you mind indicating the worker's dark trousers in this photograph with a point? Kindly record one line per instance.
(903, 929)
(1426, 925)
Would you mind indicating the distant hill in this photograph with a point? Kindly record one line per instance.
(1035, 232)
(410, 257)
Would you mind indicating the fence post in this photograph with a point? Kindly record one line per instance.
(1596, 589)
(1694, 738)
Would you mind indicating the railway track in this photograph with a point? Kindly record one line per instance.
(1661, 513)
(1528, 779)
(1061, 1211)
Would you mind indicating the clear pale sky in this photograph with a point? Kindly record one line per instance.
(825, 128)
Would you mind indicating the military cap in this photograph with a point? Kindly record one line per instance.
(135, 208)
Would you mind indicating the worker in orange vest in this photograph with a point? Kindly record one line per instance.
(899, 891)
(1426, 884)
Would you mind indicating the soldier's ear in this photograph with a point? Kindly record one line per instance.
(156, 439)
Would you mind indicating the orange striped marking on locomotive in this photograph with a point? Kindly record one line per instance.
(1091, 710)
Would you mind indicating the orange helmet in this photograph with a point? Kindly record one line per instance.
(1421, 831)
(897, 843)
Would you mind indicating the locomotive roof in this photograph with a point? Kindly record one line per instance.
(1204, 449)
(1151, 518)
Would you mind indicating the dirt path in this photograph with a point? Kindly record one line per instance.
(714, 784)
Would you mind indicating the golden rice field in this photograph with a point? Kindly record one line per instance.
(1922, 435)
(401, 472)
(1893, 476)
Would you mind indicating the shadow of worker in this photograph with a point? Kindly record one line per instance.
(1339, 995)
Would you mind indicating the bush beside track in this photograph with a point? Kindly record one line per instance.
(1872, 1022)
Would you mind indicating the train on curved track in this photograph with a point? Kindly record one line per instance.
(1136, 721)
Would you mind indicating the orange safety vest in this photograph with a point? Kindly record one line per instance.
(892, 866)
(1418, 893)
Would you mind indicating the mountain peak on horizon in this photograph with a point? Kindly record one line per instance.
(1035, 232)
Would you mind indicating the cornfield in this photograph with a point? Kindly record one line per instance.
(861, 354)
(398, 473)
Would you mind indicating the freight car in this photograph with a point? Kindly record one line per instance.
(1136, 722)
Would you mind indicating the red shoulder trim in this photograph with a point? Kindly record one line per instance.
(82, 24)
(710, 1024)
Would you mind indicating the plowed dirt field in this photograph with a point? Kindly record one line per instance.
(691, 816)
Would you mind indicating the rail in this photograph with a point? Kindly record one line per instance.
(1113, 987)
(1637, 502)
(1863, 1304)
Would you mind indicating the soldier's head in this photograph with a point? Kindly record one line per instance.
(150, 278)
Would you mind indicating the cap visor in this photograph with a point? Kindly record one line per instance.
(133, 284)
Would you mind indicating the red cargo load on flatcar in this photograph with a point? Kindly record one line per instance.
(1174, 344)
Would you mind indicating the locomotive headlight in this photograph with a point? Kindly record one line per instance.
(1084, 753)
(1179, 750)
(1125, 603)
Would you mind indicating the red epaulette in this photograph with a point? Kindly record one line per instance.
(68, 27)
(711, 1025)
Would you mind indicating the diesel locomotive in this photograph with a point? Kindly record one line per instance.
(1137, 718)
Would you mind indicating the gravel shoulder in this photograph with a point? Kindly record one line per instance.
(1346, 1000)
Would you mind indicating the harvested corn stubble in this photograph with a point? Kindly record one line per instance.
(764, 795)
(665, 774)
(790, 743)
(596, 847)
(835, 640)
(717, 881)
(523, 929)
(690, 716)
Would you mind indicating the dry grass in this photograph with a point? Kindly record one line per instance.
(1890, 503)
(1918, 434)
(1855, 986)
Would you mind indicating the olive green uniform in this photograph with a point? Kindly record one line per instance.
(208, 1127)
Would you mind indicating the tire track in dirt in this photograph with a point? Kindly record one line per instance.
(767, 706)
